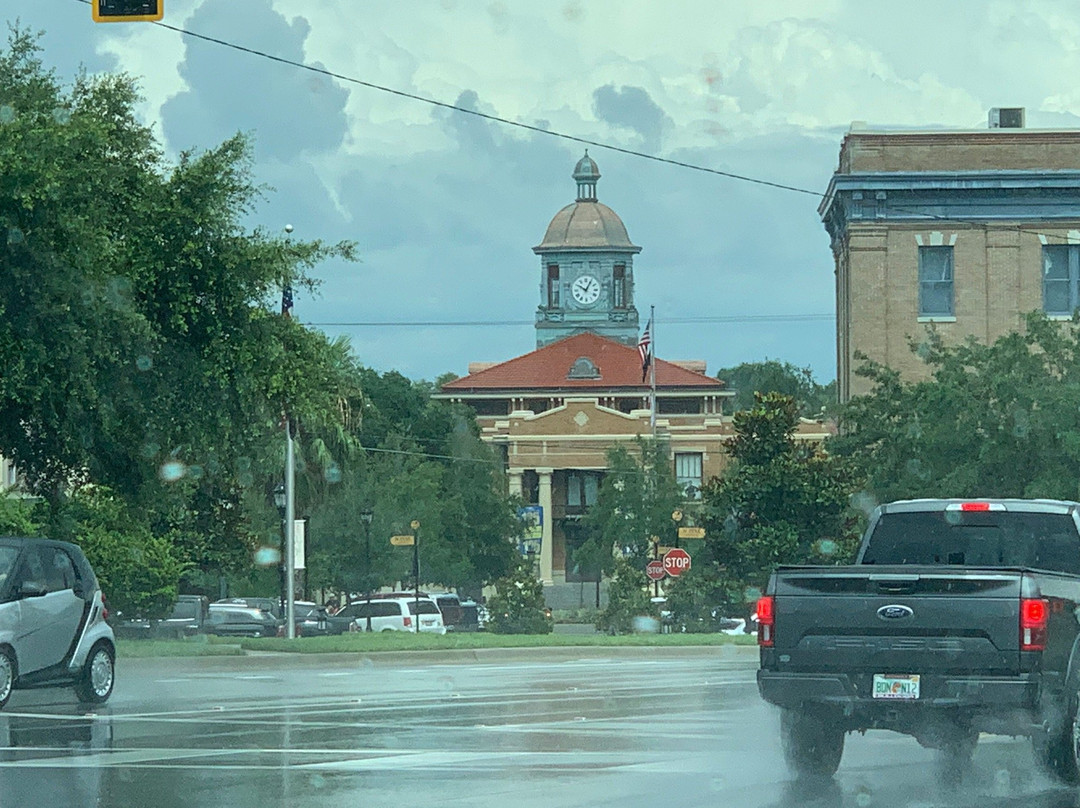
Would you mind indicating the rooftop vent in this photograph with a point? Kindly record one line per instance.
(1007, 118)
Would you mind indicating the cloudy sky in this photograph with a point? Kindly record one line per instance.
(445, 207)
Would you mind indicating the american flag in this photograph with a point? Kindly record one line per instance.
(644, 348)
(286, 301)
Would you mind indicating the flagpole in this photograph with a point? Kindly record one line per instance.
(652, 371)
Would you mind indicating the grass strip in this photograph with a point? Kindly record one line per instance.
(403, 641)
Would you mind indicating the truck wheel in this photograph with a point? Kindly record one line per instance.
(1058, 751)
(812, 744)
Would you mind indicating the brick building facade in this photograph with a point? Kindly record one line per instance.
(960, 231)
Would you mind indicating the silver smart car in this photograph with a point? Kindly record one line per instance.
(52, 621)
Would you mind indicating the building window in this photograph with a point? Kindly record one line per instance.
(618, 287)
(553, 286)
(688, 473)
(582, 489)
(1061, 279)
(936, 282)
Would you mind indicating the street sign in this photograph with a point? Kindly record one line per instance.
(663, 550)
(127, 10)
(676, 562)
(654, 570)
(402, 541)
(691, 533)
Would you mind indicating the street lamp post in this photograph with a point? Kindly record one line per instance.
(415, 525)
(366, 517)
(279, 501)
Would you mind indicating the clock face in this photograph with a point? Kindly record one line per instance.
(586, 290)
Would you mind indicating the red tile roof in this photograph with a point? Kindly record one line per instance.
(548, 367)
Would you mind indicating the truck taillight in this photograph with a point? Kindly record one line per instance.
(766, 621)
(1034, 616)
(407, 621)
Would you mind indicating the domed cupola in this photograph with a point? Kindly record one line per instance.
(586, 262)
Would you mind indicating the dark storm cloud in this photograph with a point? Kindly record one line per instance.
(289, 110)
(633, 108)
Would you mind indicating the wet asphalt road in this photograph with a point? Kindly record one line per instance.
(570, 728)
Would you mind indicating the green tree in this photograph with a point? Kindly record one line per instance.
(779, 502)
(139, 572)
(518, 604)
(421, 459)
(137, 331)
(636, 499)
(991, 420)
(772, 376)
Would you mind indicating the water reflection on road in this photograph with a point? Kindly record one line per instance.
(680, 728)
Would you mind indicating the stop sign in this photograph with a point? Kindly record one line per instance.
(676, 562)
(654, 570)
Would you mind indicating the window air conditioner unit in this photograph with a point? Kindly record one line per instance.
(1007, 118)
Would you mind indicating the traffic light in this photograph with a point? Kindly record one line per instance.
(127, 10)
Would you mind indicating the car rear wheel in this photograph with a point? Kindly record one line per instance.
(7, 675)
(812, 744)
(98, 675)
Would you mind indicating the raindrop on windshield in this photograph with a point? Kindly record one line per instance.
(144, 363)
(171, 471)
(7, 113)
(333, 473)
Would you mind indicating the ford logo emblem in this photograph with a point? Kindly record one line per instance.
(895, 612)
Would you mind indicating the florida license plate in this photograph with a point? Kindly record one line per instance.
(896, 687)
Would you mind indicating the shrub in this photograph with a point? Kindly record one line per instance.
(628, 598)
(518, 606)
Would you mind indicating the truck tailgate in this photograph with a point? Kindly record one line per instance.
(903, 619)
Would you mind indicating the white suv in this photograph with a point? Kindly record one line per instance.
(395, 614)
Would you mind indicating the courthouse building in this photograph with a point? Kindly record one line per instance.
(960, 231)
(555, 412)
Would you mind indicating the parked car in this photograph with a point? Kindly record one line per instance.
(313, 620)
(272, 605)
(52, 621)
(187, 618)
(450, 606)
(237, 620)
(471, 616)
(396, 614)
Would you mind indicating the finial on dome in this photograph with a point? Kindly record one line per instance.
(586, 173)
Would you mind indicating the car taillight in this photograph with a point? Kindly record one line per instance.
(1034, 616)
(104, 608)
(766, 621)
(408, 622)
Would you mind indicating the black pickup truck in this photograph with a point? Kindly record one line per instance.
(958, 617)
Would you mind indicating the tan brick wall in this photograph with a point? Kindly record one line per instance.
(1022, 150)
(997, 279)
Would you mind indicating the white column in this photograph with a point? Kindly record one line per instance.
(547, 571)
(515, 485)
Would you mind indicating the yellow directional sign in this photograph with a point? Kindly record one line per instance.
(691, 533)
(402, 541)
(127, 10)
(662, 550)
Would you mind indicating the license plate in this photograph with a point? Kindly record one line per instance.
(896, 687)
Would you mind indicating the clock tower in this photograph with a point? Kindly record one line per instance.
(586, 269)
